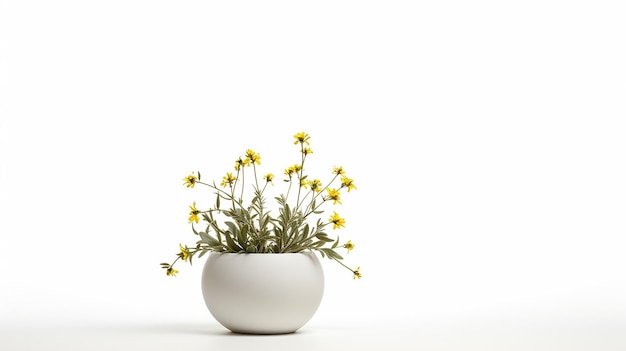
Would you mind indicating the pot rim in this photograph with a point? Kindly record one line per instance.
(306, 251)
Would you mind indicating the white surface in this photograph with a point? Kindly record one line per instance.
(442, 336)
(486, 140)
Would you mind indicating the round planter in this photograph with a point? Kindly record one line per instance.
(262, 293)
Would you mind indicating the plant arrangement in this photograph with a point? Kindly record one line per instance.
(238, 226)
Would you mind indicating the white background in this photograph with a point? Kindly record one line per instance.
(486, 139)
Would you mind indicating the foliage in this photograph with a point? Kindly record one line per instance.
(233, 225)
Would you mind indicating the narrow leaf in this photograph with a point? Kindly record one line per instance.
(205, 237)
(231, 243)
(336, 243)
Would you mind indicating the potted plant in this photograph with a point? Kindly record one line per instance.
(262, 275)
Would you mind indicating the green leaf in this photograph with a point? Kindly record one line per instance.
(243, 235)
(209, 240)
(305, 230)
(198, 175)
(219, 237)
(336, 255)
(214, 225)
(331, 253)
(263, 221)
(206, 217)
(217, 202)
(318, 244)
(205, 237)
(233, 228)
(231, 243)
(336, 243)
(323, 237)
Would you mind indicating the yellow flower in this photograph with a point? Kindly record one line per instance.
(338, 170)
(348, 183)
(357, 273)
(241, 162)
(194, 213)
(349, 245)
(333, 194)
(289, 171)
(315, 185)
(304, 183)
(292, 169)
(228, 179)
(190, 180)
(337, 221)
(253, 157)
(301, 138)
(171, 272)
(269, 178)
(184, 253)
(307, 151)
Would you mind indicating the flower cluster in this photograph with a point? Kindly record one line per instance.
(249, 227)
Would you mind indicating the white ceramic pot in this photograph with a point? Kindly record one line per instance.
(262, 293)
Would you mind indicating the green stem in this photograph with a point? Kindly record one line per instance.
(243, 182)
(300, 176)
